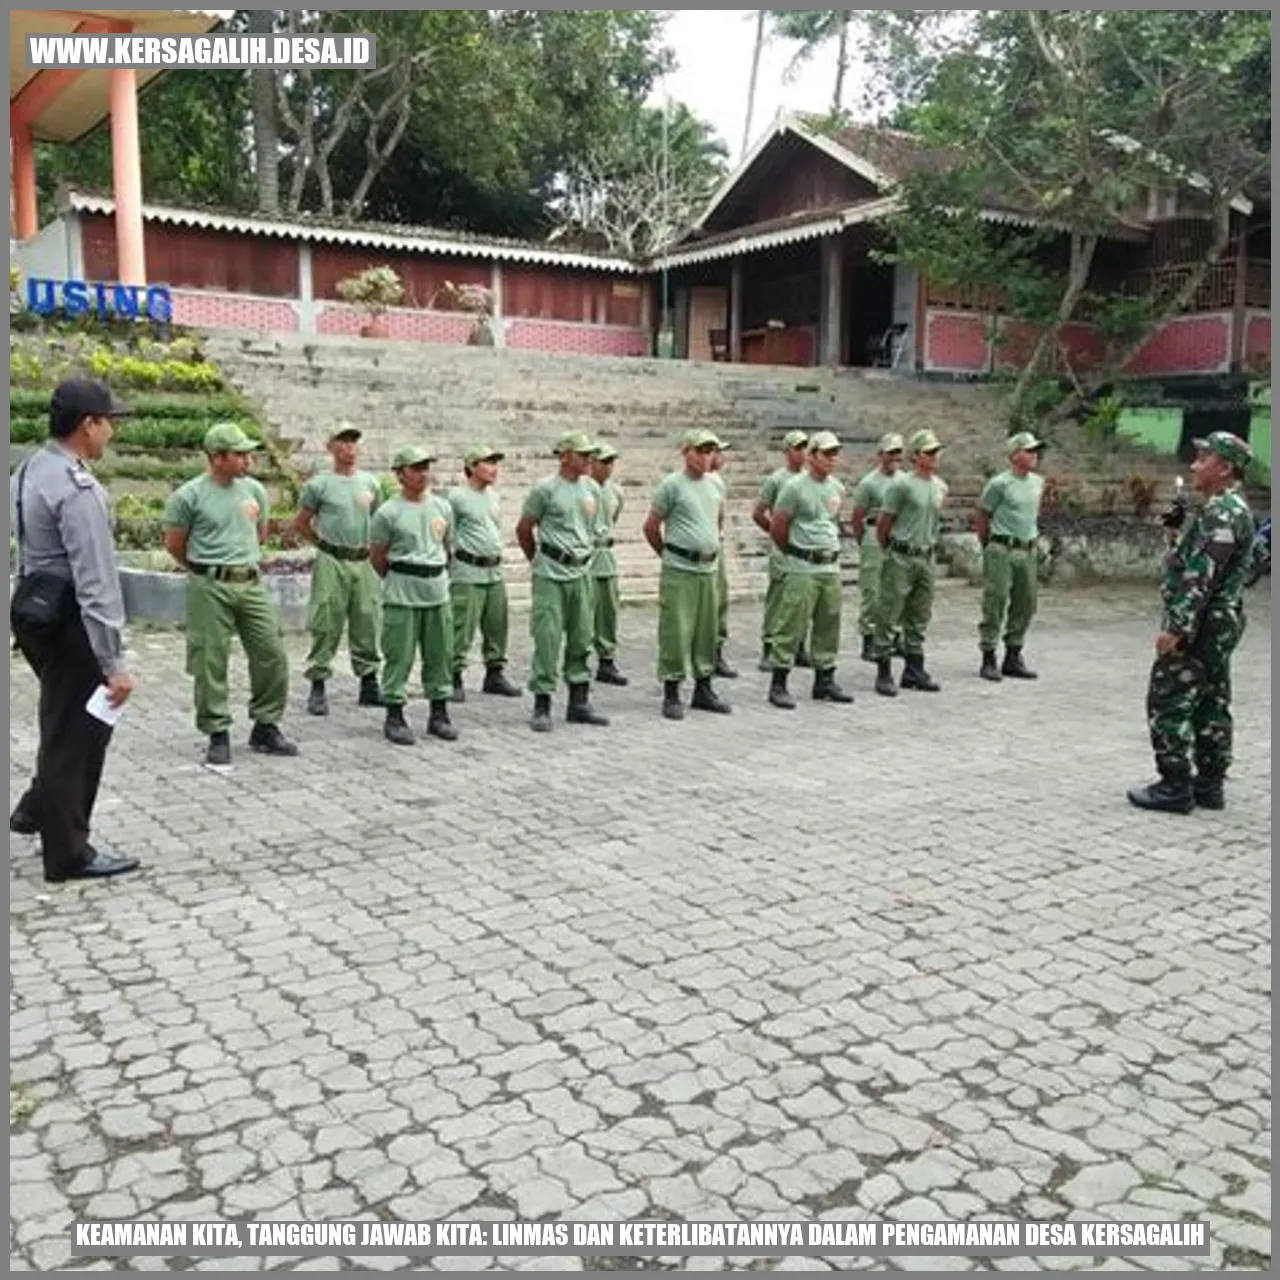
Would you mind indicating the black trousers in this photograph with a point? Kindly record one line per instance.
(73, 748)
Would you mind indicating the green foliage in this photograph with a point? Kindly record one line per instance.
(374, 289)
(31, 403)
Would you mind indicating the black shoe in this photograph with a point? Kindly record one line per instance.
(98, 867)
(672, 708)
(219, 752)
(1014, 666)
(764, 664)
(1208, 792)
(868, 648)
(496, 682)
(825, 688)
(23, 821)
(885, 685)
(438, 723)
(267, 739)
(705, 698)
(803, 659)
(914, 676)
(459, 694)
(1167, 795)
(396, 730)
(723, 670)
(370, 694)
(580, 710)
(607, 673)
(541, 722)
(778, 695)
(317, 701)
(989, 670)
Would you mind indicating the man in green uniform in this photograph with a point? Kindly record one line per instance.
(1007, 525)
(604, 567)
(409, 543)
(794, 444)
(215, 524)
(806, 530)
(867, 499)
(1189, 695)
(557, 533)
(684, 527)
(477, 589)
(724, 669)
(907, 529)
(334, 511)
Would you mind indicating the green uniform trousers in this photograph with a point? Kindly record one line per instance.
(608, 600)
(722, 600)
(410, 632)
(1008, 595)
(480, 605)
(215, 612)
(904, 601)
(870, 563)
(1189, 700)
(560, 619)
(687, 603)
(772, 599)
(344, 593)
(809, 600)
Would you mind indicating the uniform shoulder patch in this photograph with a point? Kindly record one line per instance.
(82, 477)
(1223, 533)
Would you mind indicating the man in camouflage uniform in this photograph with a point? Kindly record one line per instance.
(1189, 694)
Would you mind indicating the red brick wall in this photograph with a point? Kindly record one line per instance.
(1083, 344)
(1189, 344)
(1257, 339)
(412, 326)
(204, 310)
(955, 342)
(576, 339)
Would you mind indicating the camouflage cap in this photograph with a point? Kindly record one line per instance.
(925, 442)
(1230, 448)
(700, 438)
(344, 431)
(481, 453)
(823, 442)
(1023, 440)
(891, 442)
(228, 437)
(795, 440)
(410, 455)
(605, 452)
(574, 442)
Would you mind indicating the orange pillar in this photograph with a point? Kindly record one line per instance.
(126, 171)
(26, 221)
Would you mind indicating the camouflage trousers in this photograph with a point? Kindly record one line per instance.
(1189, 702)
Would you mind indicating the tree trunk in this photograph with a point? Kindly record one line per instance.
(266, 133)
(842, 62)
(751, 86)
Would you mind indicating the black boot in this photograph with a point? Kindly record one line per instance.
(1169, 794)
(459, 693)
(496, 682)
(541, 722)
(219, 752)
(802, 656)
(723, 669)
(607, 673)
(267, 739)
(396, 730)
(765, 664)
(899, 648)
(778, 694)
(825, 688)
(705, 698)
(317, 701)
(370, 694)
(1208, 792)
(868, 648)
(914, 676)
(580, 710)
(1014, 665)
(989, 670)
(25, 820)
(885, 685)
(672, 707)
(438, 723)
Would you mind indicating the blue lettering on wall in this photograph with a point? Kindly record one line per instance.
(80, 297)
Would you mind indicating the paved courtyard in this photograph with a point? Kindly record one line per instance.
(916, 958)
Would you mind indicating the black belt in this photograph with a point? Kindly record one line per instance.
(416, 570)
(478, 562)
(906, 549)
(342, 553)
(566, 558)
(1014, 544)
(694, 557)
(226, 572)
(814, 557)
(604, 542)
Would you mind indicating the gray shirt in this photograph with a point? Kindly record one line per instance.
(67, 531)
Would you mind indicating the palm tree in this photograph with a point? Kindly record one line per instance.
(751, 87)
(814, 28)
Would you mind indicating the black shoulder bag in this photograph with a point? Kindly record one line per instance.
(43, 603)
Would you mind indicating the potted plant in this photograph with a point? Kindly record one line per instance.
(373, 291)
(476, 301)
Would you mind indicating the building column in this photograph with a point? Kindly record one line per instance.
(831, 276)
(26, 219)
(126, 171)
(306, 292)
(735, 311)
(497, 323)
(1239, 311)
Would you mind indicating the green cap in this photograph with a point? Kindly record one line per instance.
(795, 440)
(344, 431)
(1022, 440)
(1230, 448)
(925, 442)
(699, 438)
(228, 437)
(891, 443)
(574, 442)
(605, 452)
(410, 455)
(823, 442)
(481, 453)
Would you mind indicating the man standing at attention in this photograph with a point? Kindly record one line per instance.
(716, 475)
(867, 499)
(557, 533)
(684, 528)
(215, 524)
(793, 454)
(478, 591)
(334, 511)
(1189, 694)
(604, 568)
(1007, 525)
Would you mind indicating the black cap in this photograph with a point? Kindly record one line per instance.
(76, 398)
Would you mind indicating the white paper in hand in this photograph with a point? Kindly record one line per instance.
(101, 709)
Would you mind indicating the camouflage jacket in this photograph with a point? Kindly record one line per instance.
(1206, 568)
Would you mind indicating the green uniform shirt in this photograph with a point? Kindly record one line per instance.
(415, 532)
(342, 506)
(869, 496)
(1013, 503)
(917, 504)
(690, 511)
(565, 512)
(477, 532)
(770, 487)
(604, 564)
(222, 521)
(1206, 569)
(814, 508)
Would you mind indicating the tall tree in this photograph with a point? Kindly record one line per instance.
(266, 131)
(756, 50)
(815, 29)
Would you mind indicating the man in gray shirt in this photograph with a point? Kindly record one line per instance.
(64, 530)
